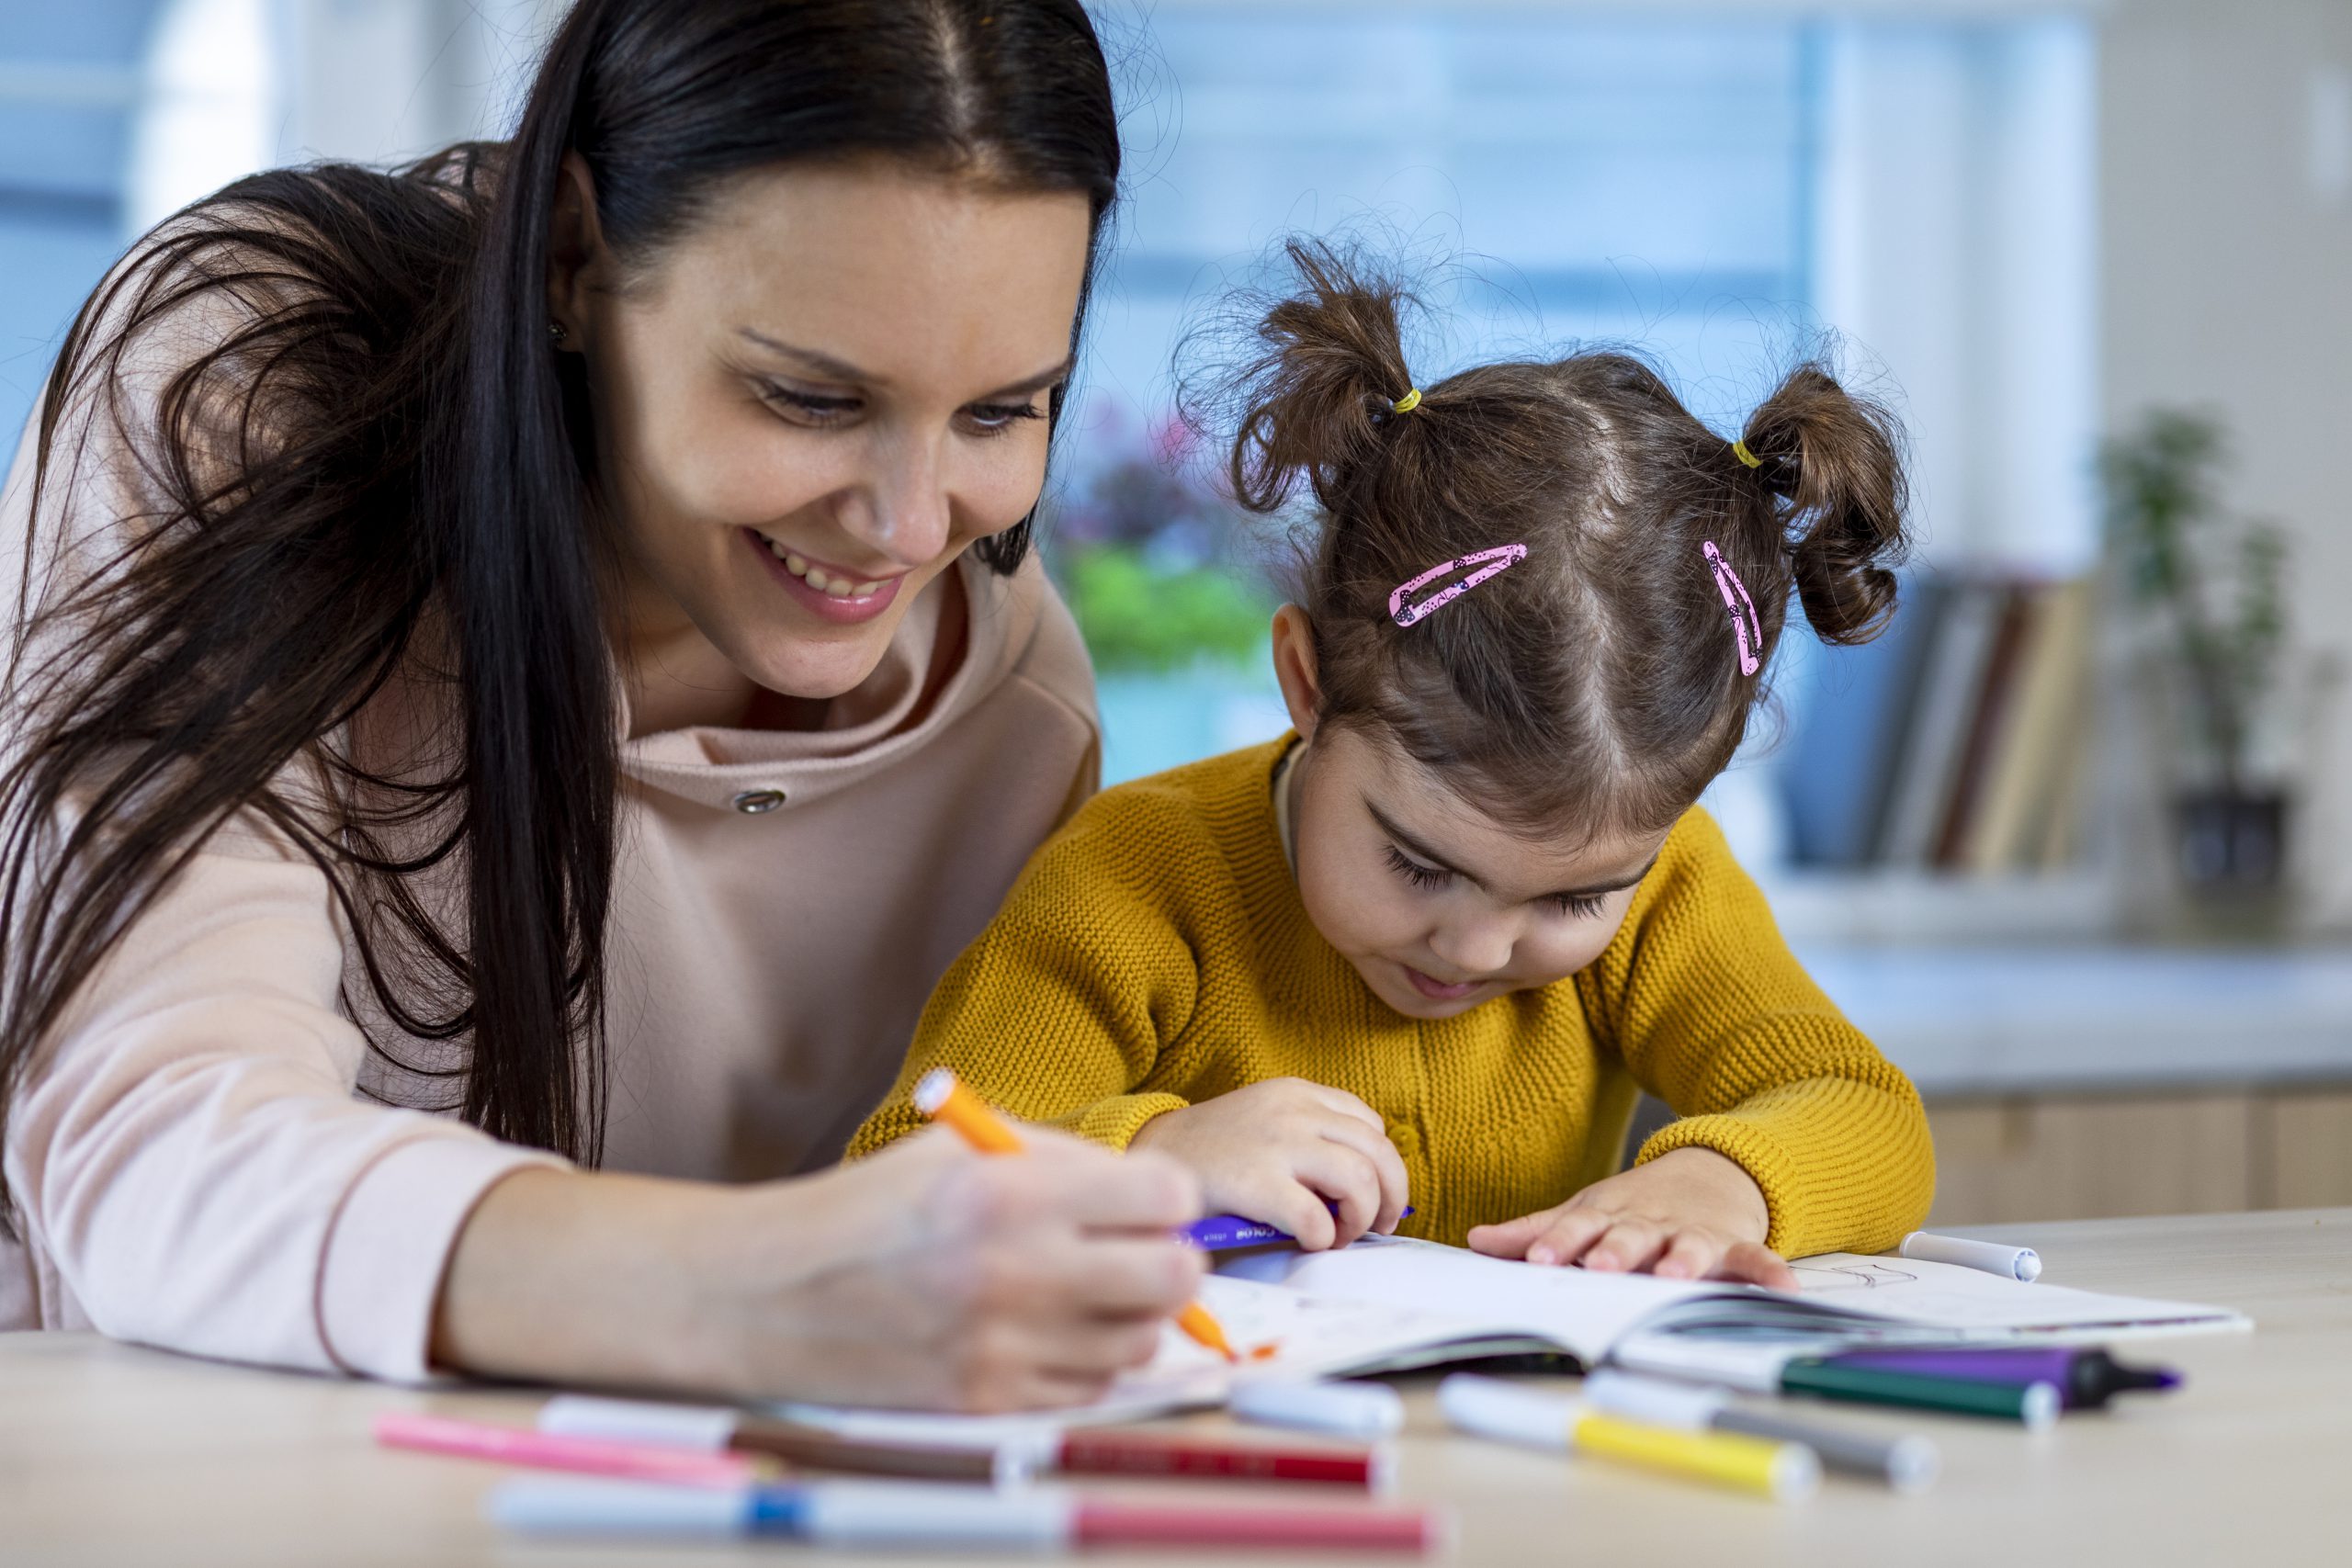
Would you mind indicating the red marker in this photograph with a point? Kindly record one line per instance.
(1084, 1452)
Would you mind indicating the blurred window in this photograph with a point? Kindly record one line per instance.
(70, 83)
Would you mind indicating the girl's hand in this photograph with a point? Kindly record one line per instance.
(1690, 1214)
(1275, 1151)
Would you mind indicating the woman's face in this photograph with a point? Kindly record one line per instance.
(815, 401)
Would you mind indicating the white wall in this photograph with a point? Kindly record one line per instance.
(2226, 276)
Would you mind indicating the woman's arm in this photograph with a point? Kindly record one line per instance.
(928, 1276)
(193, 1171)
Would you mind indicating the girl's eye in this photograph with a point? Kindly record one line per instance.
(807, 407)
(1583, 906)
(993, 419)
(1413, 871)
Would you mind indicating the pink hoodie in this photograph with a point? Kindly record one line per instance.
(198, 1162)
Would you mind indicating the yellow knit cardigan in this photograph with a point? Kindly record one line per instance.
(1154, 955)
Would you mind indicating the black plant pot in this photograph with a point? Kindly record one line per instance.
(2230, 843)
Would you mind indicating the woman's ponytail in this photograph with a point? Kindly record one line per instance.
(1832, 464)
(1321, 394)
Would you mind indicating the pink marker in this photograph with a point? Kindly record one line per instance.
(591, 1456)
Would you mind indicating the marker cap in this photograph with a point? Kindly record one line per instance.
(1363, 1411)
(549, 1506)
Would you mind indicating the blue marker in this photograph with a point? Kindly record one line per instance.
(1221, 1232)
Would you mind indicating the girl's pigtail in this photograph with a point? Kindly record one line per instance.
(1321, 394)
(1833, 464)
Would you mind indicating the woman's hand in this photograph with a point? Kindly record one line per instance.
(1280, 1151)
(928, 1276)
(1690, 1214)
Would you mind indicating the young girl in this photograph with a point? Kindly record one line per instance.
(1426, 950)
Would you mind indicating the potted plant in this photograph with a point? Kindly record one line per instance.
(1148, 553)
(2210, 582)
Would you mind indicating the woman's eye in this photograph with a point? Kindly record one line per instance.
(1584, 906)
(993, 418)
(1413, 871)
(807, 407)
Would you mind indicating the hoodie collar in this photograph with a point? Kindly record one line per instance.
(870, 727)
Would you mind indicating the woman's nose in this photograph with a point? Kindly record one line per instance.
(903, 510)
(1475, 945)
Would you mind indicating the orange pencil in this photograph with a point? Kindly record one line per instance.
(943, 1098)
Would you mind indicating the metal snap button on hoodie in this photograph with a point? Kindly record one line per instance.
(752, 802)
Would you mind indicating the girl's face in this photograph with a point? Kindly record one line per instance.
(1439, 907)
(819, 397)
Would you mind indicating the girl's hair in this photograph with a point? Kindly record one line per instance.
(1595, 686)
(383, 468)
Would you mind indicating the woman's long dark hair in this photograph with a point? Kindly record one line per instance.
(383, 470)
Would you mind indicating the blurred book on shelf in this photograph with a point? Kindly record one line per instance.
(1957, 741)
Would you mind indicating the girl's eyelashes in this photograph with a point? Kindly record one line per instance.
(1413, 871)
(1583, 905)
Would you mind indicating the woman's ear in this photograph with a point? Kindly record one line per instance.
(1295, 669)
(575, 251)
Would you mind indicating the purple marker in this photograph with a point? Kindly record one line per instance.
(1221, 1232)
(2085, 1379)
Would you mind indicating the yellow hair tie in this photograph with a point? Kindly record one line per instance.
(1407, 403)
(1739, 450)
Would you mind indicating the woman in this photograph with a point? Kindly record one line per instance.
(549, 636)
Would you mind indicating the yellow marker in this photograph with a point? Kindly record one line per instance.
(943, 1099)
(1488, 1407)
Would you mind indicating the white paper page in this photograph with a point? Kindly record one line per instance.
(1582, 1313)
(1944, 1295)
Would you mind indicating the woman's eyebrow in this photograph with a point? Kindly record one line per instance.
(1598, 889)
(826, 367)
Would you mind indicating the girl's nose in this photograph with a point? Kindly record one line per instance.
(1475, 947)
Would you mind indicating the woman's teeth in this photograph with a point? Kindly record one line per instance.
(819, 579)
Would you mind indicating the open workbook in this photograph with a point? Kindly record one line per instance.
(1388, 1303)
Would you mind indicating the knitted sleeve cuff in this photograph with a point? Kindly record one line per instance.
(1116, 1122)
(1746, 1146)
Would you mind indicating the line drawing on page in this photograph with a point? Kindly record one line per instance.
(1814, 1279)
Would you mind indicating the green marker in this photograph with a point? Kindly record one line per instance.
(2034, 1404)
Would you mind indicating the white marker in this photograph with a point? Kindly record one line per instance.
(2020, 1263)
(1365, 1411)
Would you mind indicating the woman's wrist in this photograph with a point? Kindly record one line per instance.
(566, 1276)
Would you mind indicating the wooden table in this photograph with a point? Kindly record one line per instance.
(110, 1454)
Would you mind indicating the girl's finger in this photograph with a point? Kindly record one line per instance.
(1630, 1247)
(1345, 1177)
(1293, 1206)
(1569, 1234)
(1509, 1239)
(1387, 1167)
(1757, 1264)
(1348, 1105)
(1692, 1254)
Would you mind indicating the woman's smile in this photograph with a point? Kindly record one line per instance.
(833, 592)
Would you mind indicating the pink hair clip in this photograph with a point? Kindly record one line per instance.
(1501, 559)
(1726, 582)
